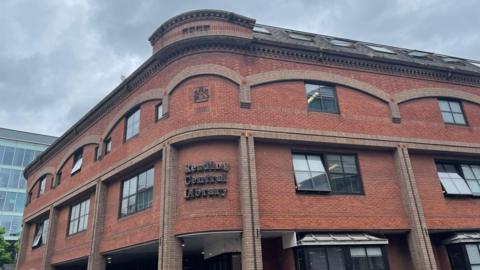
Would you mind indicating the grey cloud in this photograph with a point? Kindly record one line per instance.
(59, 58)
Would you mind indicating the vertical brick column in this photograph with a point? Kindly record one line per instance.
(23, 244)
(251, 240)
(418, 239)
(95, 259)
(170, 251)
(50, 242)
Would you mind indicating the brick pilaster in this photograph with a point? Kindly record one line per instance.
(170, 250)
(251, 240)
(95, 259)
(50, 241)
(418, 239)
(23, 244)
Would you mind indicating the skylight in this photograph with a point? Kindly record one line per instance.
(418, 54)
(261, 29)
(341, 43)
(300, 36)
(380, 49)
(477, 64)
(452, 60)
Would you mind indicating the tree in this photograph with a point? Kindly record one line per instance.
(5, 256)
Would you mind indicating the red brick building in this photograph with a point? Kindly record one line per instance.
(244, 146)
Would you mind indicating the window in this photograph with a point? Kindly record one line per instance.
(380, 49)
(459, 179)
(341, 43)
(464, 256)
(261, 29)
(41, 185)
(108, 145)
(322, 98)
(77, 161)
(78, 217)
(300, 36)
(41, 234)
(418, 54)
(328, 173)
(452, 112)
(159, 111)
(341, 258)
(137, 193)
(133, 124)
(57, 180)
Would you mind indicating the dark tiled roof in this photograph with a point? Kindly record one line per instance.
(23, 136)
(361, 49)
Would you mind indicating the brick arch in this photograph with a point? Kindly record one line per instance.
(152, 94)
(418, 93)
(207, 69)
(311, 75)
(50, 170)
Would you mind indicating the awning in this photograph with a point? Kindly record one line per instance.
(463, 237)
(335, 239)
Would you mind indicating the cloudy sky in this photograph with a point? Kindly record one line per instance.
(58, 58)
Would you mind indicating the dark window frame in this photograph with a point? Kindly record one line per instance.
(326, 84)
(42, 179)
(77, 155)
(323, 155)
(462, 247)
(79, 203)
(42, 241)
(127, 116)
(301, 260)
(460, 103)
(157, 110)
(121, 198)
(458, 167)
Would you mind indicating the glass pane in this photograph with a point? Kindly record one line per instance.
(142, 181)
(3, 195)
(150, 178)
(455, 107)
(476, 171)
(459, 119)
(320, 182)
(336, 260)
(349, 164)
(474, 186)
(329, 105)
(315, 163)
(334, 163)
(468, 172)
(444, 107)
(462, 186)
(4, 176)
(303, 180)
(475, 267)
(133, 186)
(300, 163)
(126, 186)
(87, 207)
(2, 151)
(124, 207)
(10, 201)
(374, 252)
(311, 87)
(357, 252)
(447, 117)
(28, 157)
(473, 253)
(18, 157)
(45, 231)
(20, 202)
(8, 156)
(132, 204)
(317, 259)
(159, 111)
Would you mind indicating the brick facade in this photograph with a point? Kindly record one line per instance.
(255, 117)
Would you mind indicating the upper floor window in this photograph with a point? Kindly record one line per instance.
(77, 160)
(459, 179)
(137, 193)
(78, 217)
(108, 145)
(321, 98)
(464, 256)
(41, 233)
(159, 111)
(335, 173)
(57, 180)
(341, 257)
(42, 183)
(133, 124)
(452, 112)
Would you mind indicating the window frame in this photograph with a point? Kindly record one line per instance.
(458, 167)
(127, 117)
(322, 155)
(79, 203)
(56, 180)
(460, 103)
(157, 110)
(303, 263)
(43, 234)
(129, 177)
(77, 155)
(107, 144)
(464, 253)
(42, 181)
(333, 86)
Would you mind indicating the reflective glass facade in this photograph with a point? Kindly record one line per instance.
(17, 150)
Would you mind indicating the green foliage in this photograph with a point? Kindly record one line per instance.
(5, 256)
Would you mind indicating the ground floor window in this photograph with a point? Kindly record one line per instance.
(341, 258)
(464, 256)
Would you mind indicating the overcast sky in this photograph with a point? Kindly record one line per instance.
(58, 58)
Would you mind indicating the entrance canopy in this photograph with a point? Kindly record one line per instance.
(463, 237)
(332, 239)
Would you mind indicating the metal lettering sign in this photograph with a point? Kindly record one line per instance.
(201, 94)
(207, 173)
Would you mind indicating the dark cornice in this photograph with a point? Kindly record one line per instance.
(257, 48)
(201, 15)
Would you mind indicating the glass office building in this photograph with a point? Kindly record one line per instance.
(17, 150)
